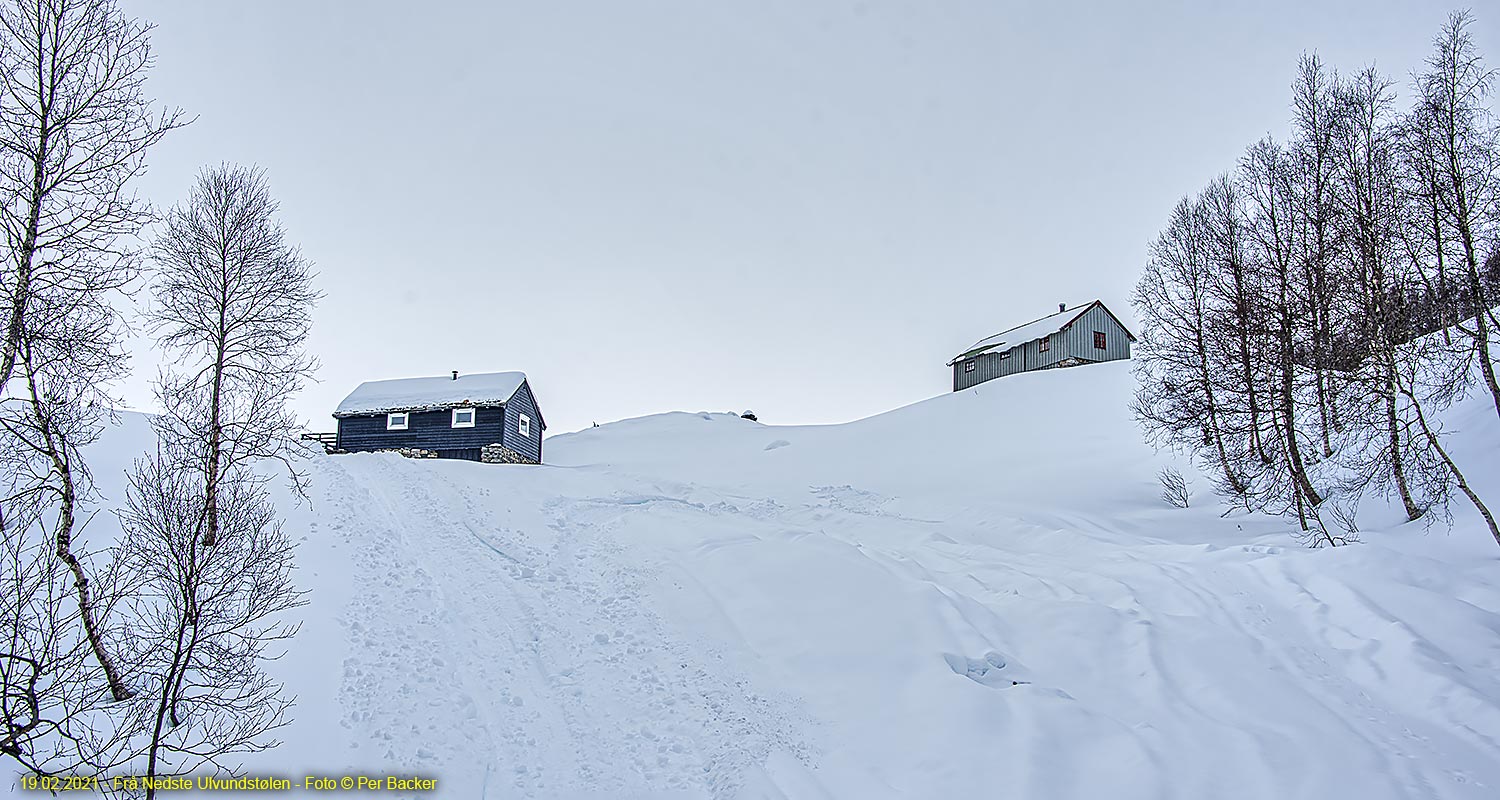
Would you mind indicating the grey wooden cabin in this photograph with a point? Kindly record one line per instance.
(1084, 334)
(491, 417)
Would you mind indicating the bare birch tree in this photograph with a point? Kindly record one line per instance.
(1178, 401)
(1366, 191)
(234, 298)
(75, 125)
(1233, 316)
(58, 665)
(1308, 317)
(233, 303)
(1457, 152)
(1285, 322)
(1312, 163)
(203, 617)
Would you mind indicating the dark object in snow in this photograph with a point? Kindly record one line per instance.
(1084, 334)
(750, 415)
(489, 417)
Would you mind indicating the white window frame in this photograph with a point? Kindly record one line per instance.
(473, 416)
(390, 421)
(969, 366)
(523, 425)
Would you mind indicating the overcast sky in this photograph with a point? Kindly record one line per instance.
(799, 207)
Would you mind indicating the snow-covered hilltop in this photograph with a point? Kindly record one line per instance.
(961, 598)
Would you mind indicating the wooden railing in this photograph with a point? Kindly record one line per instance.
(330, 441)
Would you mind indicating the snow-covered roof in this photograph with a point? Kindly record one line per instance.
(1021, 334)
(413, 394)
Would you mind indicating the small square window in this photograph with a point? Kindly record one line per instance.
(397, 421)
(1099, 340)
(463, 417)
(968, 366)
(1046, 343)
(523, 425)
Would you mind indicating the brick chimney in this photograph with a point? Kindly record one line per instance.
(1061, 307)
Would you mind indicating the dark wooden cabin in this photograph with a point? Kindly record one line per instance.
(491, 417)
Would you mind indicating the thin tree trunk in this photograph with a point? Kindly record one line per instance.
(1213, 418)
(1242, 323)
(1385, 353)
(162, 703)
(183, 648)
(211, 533)
(1393, 430)
(26, 254)
(1288, 412)
(1444, 294)
(1320, 377)
(1322, 336)
(1481, 337)
(216, 403)
(68, 501)
(1463, 484)
(1281, 259)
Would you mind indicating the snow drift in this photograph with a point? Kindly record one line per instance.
(980, 595)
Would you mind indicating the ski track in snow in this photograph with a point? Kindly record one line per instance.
(1229, 590)
(568, 684)
(565, 683)
(921, 604)
(687, 611)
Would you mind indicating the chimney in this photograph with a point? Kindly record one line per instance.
(1061, 307)
(455, 374)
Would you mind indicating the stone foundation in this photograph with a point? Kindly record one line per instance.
(413, 452)
(489, 454)
(500, 454)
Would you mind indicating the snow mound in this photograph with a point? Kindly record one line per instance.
(978, 595)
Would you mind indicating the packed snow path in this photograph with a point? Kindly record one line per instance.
(535, 656)
(922, 604)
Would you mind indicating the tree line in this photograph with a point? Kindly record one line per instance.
(144, 653)
(1308, 314)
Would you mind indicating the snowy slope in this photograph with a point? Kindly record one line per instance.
(979, 595)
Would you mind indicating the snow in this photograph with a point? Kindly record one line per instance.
(412, 394)
(1021, 334)
(978, 595)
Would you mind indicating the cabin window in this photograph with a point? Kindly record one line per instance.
(523, 425)
(463, 417)
(396, 421)
(968, 366)
(1046, 342)
(1004, 356)
(1099, 340)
